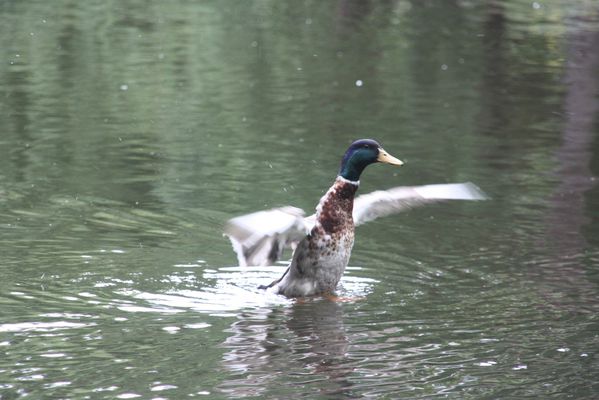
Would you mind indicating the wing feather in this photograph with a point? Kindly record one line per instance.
(381, 203)
(260, 238)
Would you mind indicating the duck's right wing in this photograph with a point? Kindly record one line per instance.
(260, 238)
(386, 202)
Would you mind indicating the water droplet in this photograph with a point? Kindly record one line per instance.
(487, 363)
(359, 83)
(161, 387)
(124, 87)
(254, 44)
(308, 21)
(444, 67)
(171, 329)
(536, 5)
(128, 396)
(563, 349)
(197, 325)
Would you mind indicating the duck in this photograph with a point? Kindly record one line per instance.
(322, 242)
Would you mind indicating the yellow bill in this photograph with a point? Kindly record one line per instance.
(387, 158)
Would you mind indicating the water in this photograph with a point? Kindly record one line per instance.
(131, 132)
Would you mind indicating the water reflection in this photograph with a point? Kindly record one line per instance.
(567, 276)
(568, 215)
(302, 348)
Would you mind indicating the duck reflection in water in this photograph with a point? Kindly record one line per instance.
(307, 341)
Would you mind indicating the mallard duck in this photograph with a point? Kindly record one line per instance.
(322, 242)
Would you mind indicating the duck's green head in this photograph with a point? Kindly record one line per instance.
(362, 153)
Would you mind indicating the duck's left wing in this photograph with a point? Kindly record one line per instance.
(386, 202)
(260, 238)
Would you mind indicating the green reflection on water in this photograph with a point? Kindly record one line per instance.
(132, 131)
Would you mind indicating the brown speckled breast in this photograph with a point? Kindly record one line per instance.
(336, 209)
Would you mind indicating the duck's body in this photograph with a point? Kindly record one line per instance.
(323, 242)
(321, 257)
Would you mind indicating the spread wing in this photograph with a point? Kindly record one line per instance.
(260, 238)
(386, 202)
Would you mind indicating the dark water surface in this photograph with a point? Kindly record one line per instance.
(130, 131)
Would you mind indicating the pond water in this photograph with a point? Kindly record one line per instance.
(131, 131)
